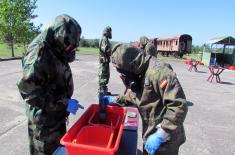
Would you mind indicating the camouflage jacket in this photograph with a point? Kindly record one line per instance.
(105, 49)
(161, 100)
(46, 84)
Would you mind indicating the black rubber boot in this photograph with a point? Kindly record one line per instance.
(104, 90)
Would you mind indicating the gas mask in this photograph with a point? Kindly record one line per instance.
(130, 80)
(70, 47)
(66, 33)
(70, 53)
(71, 56)
(108, 32)
(110, 35)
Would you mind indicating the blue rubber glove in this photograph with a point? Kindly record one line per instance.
(60, 151)
(73, 106)
(109, 99)
(155, 140)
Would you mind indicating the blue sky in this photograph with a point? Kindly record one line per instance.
(130, 19)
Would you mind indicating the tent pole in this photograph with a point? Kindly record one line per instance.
(223, 54)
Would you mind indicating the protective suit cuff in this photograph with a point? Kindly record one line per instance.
(163, 133)
(65, 101)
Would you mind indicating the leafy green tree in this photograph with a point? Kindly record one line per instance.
(93, 43)
(83, 42)
(196, 48)
(15, 21)
(27, 34)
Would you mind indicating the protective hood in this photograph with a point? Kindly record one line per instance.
(144, 40)
(66, 32)
(130, 59)
(62, 36)
(107, 32)
(150, 49)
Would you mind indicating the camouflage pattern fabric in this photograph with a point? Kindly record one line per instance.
(160, 99)
(107, 32)
(47, 83)
(104, 57)
(150, 49)
(143, 42)
(129, 58)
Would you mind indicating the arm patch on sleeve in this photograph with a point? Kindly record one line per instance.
(163, 84)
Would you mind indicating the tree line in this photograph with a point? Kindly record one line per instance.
(197, 49)
(91, 42)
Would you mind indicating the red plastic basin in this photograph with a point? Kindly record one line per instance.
(98, 136)
(88, 137)
(112, 119)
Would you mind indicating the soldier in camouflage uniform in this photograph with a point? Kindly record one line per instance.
(158, 96)
(147, 47)
(150, 49)
(143, 42)
(104, 59)
(47, 84)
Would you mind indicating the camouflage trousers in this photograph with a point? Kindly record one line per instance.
(104, 73)
(44, 140)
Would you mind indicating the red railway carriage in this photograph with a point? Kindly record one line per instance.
(171, 45)
(175, 45)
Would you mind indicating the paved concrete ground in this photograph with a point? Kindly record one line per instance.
(209, 125)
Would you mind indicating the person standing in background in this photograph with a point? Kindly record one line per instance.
(104, 60)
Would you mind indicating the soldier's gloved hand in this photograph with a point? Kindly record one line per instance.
(155, 140)
(73, 106)
(109, 99)
(60, 151)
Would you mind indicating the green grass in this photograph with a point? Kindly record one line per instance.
(5, 51)
(88, 50)
(193, 56)
(95, 51)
